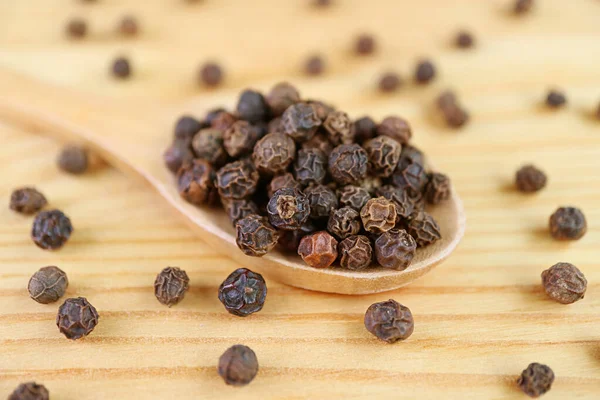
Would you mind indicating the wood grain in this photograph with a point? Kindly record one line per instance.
(480, 318)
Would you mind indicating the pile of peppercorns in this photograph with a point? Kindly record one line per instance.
(301, 174)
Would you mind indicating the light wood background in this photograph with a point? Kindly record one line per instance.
(480, 318)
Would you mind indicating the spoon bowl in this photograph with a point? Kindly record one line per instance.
(133, 135)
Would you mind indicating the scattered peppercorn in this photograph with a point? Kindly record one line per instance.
(310, 166)
(255, 236)
(252, 107)
(564, 283)
(339, 128)
(424, 229)
(177, 154)
(319, 250)
(73, 159)
(383, 153)
(395, 249)
(536, 380)
(389, 82)
(170, 285)
(282, 96)
(378, 215)
(529, 179)
(243, 292)
(27, 200)
(322, 201)
(454, 113)
(424, 72)
(300, 121)
(274, 153)
(51, 229)
(555, 99)
(395, 127)
(389, 321)
(315, 65)
(322, 3)
(364, 129)
(238, 365)
(129, 26)
(568, 223)
(121, 68)
(211, 74)
(195, 182)
(523, 6)
(288, 209)
(356, 253)
(465, 40)
(353, 196)
(237, 180)
(48, 285)
(365, 44)
(76, 28)
(344, 222)
(282, 181)
(348, 163)
(76, 318)
(437, 189)
(30, 391)
(208, 145)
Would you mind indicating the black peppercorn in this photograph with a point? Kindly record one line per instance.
(211, 74)
(238, 365)
(323, 109)
(348, 164)
(339, 128)
(240, 138)
(536, 379)
(365, 44)
(555, 99)
(405, 205)
(530, 179)
(76, 28)
(319, 250)
(128, 26)
(395, 127)
(208, 146)
(48, 285)
(564, 283)
(424, 72)
(281, 97)
(319, 141)
(288, 209)
(186, 127)
(389, 82)
(310, 166)
(423, 228)
(290, 240)
(170, 285)
(411, 154)
(437, 189)
(523, 6)
(76, 318)
(356, 252)
(30, 391)
(243, 292)
(464, 40)
(73, 159)
(315, 65)
(27, 200)
(282, 181)
(178, 154)
(411, 177)
(353, 196)
(274, 153)
(238, 209)
(364, 129)
(255, 236)
(237, 180)
(51, 229)
(568, 223)
(252, 107)
(395, 249)
(300, 121)
(195, 182)
(322, 201)
(222, 121)
(378, 215)
(344, 222)
(389, 321)
(121, 68)
(383, 153)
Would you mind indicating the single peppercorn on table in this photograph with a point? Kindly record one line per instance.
(480, 318)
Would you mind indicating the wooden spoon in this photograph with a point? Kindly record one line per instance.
(133, 136)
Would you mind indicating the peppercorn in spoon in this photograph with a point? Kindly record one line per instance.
(133, 136)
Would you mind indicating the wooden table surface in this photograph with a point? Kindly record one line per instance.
(480, 318)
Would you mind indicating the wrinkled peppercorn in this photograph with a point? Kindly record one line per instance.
(344, 222)
(523, 6)
(365, 44)
(389, 321)
(243, 292)
(281, 97)
(378, 215)
(356, 252)
(310, 166)
(73, 159)
(318, 250)
(339, 128)
(282, 181)
(237, 180)
(568, 223)
(289, 240)
(27, 200)
(30, 391)
(252, 107)
(300, 121)
(288, 209)
(51, 229)
(186, 127)
(223, 121)
(529, 179)
(76, 318)
(389, 82)
(464, 40)
(319, 141)
(395, 249)
(411, 154)
(564, 283)
(405, 205)
(177, 154)
(383, 153)
(395, 127)
(274, 153)
(353, 196)
(255, 236)
(195, 182)
(411, 177)
(536, 380)
(238, 209)
(424, 72)
(323, 109)
(348, 163)
(437, 189)
(211, 74)
(238, 365)
(315, 65)
(208, 145)
(121, 68)
(170, 285)
(47, 285)
(128, 26)
(555, 99)
(240, 138)
(364, 129)
(322, 201)
(423, 228)
(76, 28)
(371, 184)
